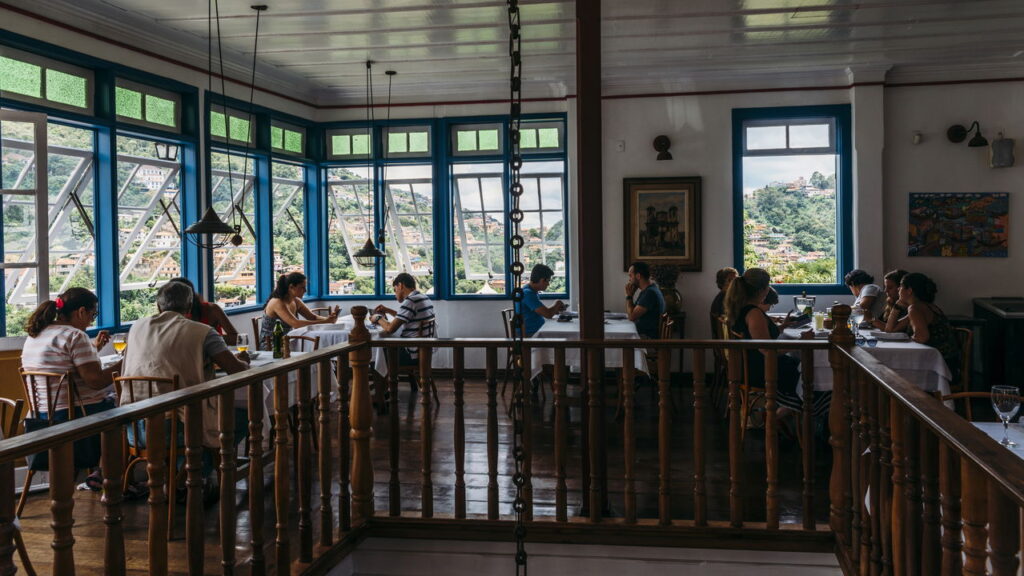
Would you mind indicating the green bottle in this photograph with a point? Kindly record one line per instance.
(278, 340)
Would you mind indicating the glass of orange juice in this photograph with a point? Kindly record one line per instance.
(119, 342)
(242, 343)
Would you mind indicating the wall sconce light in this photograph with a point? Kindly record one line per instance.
(957, 133)
(662, 144)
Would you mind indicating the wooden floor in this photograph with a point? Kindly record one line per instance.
(89, 527)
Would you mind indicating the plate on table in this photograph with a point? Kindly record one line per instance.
(889, 336)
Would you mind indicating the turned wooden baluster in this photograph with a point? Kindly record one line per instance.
(459, 358)
(194, 536)
(324, 465)
(112, 461)
(258, 564)
(282, 488)
(974, 497)
(912, 495)
(584, 407)
(394, 438)
(931, 547)
(875, 476)
(228, 465)
(7, 527)
(492, 432)
(345, 444)
(840, 489)
(426, 434)
(1004, 531)
(156, 468)
(865, 456)
(305, 466)
(885, 476)
(700, 400)
(562, 437)
(594, 374)
(735, 445)
(856, 449)
(807, 431)
(362, 420)
(771, 439)
(899, 480)
(949, 495)
(628, 435)
(527, 434)
(664, 438)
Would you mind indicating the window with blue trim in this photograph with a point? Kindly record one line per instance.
(233, 181)
(409, 204)
(288, 201)
(478, 228)
(350, 221)
(792, 192)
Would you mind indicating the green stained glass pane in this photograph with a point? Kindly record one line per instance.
(528, 138)
(217, 126)
(341, 145)
(239, 129)
(65, 88)
(276, 138)
(418, 142)
(548, 137)
(160, 111)
(128, 103)
(293, 141)
(20, 77)
(488, 139)
(360, 144)
(397, 142)
(466, 140)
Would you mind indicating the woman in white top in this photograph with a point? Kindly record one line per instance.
(57, 343)
(867, 294)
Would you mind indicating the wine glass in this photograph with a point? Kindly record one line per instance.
(1006, 402)
(856, 317)
(242, 343)
(119, 342)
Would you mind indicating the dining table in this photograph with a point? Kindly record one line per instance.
(615, 328)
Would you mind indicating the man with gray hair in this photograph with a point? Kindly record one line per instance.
(168, 345)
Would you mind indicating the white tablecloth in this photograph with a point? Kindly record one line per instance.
(613, 329)
(265, 358)
(918, 363)
(995, 431)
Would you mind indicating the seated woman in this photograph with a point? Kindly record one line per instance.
(209, 313)
(891, 310)
(286, 305)
(867, 294)
(57, 343)
(743, 307)
(927, 323)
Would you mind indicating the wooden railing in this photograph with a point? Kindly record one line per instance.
(896, 532)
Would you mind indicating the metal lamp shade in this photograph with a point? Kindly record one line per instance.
(367, 255)
(210, 223)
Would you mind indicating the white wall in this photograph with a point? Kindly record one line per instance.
(937, 165)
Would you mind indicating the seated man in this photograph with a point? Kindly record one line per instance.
(415, 309)
(170, 344)
(644, 302)
(723, 278)
(534, 312)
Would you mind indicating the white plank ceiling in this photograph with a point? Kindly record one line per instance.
(456, 50)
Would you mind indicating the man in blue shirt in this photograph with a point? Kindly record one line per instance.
(644, 302)
(534, 312)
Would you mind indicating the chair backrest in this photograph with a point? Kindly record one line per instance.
(256, 320)
(507, 318)
(716, 323)
(42, 388)
(312, 341)
(967, 396)
(321, 310)
(427, 328)
(965, 338)
(666, 326)
(11, 416)
(151, 384)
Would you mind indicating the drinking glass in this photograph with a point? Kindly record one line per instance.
(856, 317)
(1006, 402)
(119, 342)
(242, 343)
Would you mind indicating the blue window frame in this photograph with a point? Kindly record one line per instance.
(792, 195)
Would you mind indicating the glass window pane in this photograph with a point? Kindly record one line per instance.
(360, 144)
(479, 229)
(488, 139)
(293, 141)
(277, 137)
(349, 223)
(240, 129)
(234, 267)
(217, 124)
(528, 138)
(809, 136)
(548, 137)
(288, 201)
(766, 137)
(466, 140)
(543, 227)
(341, 145)
(65, 88)
(18, 154)
(128, 103)
(160, 111)
(148, 218)
(410, 238)
(419, 142)
(397, 142)
(21, 77)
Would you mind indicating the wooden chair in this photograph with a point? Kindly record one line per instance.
(256, 321)
(321, 310)
(967, 397)
(749, 395)
(11, 418)
(136, 454)
(33, 382)
(720, 383)
(965, 338)
(508, 321)
(666, 326)
(305, 343)
(426, 330)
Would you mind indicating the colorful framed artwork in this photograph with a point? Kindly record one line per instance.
(972, 225)
(662, 221)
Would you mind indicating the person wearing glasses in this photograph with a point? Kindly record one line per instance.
(57, 343)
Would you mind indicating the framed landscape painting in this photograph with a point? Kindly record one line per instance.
(964, 224)
(662, 221)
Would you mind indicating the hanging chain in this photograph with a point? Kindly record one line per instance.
(516, 243)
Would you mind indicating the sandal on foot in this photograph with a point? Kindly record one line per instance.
(93, 482)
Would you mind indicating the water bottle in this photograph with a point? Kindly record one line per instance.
(278, 340)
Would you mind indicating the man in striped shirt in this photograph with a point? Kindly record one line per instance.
(414, 318)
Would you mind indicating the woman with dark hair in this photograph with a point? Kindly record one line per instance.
(57, 343)
(927, 323)
(891, 310)
(209, 313)
(866, 293)
(286, 305)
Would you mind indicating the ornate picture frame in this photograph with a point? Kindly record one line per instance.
(662, 221)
